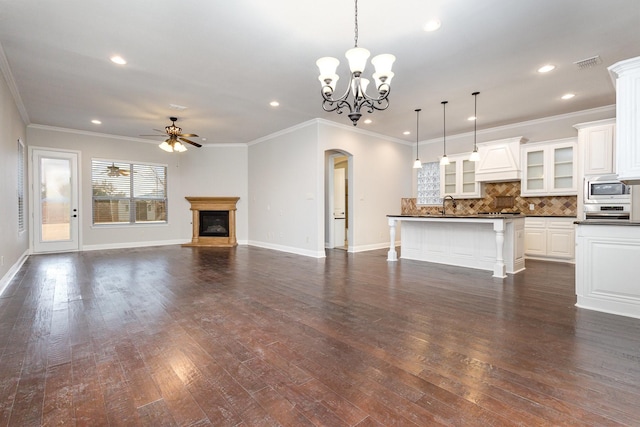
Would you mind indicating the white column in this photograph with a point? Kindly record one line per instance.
(499, 269)
(392, 255)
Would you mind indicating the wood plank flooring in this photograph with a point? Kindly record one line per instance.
(244, 336)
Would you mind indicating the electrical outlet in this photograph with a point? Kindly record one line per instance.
(531, 206)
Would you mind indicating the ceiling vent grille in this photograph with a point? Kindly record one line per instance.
(589, 62)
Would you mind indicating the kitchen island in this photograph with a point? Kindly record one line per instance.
(487, 242)
(607, 257)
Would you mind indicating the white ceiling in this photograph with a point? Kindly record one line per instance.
(226, 60)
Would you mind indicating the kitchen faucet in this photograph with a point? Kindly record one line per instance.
(444, 199)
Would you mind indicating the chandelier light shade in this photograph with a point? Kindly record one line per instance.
(357, 87)
(444, 160)
(475, 157)
(417, 164)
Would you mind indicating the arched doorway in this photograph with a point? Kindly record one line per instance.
(338, 200)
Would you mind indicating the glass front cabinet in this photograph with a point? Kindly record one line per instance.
(458, 178)
(549, 168)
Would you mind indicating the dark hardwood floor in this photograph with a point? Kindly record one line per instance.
(248, 336)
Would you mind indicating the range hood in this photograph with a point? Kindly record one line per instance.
(499, 160)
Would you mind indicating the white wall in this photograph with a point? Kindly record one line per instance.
(381, 175)
(287, 186)
(218, 171)
(13, 245)
(286, 191)
(204, 171)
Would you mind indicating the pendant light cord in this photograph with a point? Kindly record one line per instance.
(475, 121)
(444, 126)
(417, 110)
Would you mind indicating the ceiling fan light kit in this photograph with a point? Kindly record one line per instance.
(176, 140)
(357, 86)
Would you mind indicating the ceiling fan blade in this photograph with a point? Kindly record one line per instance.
(124, 172)
(188, 135)
(190, 142)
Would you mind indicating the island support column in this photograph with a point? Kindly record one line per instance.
(499, 269)
(392, 255)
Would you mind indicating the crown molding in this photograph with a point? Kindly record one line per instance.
(319, 121)
(577, 115)
(122, 138)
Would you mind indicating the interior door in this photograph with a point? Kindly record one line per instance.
(55, 201)
(339, 207)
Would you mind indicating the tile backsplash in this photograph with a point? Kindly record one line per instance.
(495, 194)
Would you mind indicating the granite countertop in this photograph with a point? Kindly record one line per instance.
(453, 216)
(613, 222)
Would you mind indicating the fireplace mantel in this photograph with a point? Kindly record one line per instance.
(213, 204)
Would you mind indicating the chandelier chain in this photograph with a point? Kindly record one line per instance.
(355, 38)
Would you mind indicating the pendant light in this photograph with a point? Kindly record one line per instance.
(475, 157)
(417, 164)
(444, 160)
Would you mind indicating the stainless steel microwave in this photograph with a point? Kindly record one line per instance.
(606, 189)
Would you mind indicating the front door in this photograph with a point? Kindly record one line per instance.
(55, 201)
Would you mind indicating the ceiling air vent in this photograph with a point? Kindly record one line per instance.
(589, 62)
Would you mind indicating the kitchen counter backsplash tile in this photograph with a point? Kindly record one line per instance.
(543, 206)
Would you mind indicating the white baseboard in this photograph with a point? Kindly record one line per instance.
(135, 244)
(289, 249)
(371, 247)
(6, 279)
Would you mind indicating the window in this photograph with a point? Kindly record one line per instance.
(20, 191)
(128, 193)
(429, 184)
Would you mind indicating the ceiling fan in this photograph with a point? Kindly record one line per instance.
(115, 171)
(176, 137)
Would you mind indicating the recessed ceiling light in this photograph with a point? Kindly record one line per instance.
(546, 68)
(204, 139)
(96, 122)
(432, 25)
(568, 95)
(406, 132)
(472, 118)
(368, 121)
(274, 103)
(117, 59)
(177, 107)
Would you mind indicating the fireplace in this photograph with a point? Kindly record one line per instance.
(214, 221)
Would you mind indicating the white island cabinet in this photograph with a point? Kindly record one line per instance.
(486, 242)
(607, 257)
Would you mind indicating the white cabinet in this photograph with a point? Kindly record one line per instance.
(550, 168)
(458, 178)
(627, 123)
(597, 143)
(549, 238)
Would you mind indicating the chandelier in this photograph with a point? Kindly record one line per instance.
(357, 58)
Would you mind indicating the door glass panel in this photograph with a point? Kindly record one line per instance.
(55, 199)
(563, 167)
